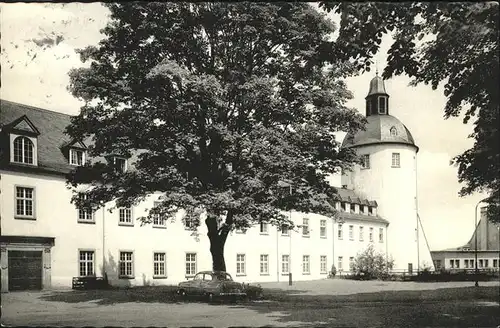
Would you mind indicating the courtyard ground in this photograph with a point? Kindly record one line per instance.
(328, 303)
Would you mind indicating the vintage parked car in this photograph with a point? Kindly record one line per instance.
(212, 284)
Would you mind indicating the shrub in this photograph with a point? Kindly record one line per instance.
(253, 292)
(333, 272)
(370, 264)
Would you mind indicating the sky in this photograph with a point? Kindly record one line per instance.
(35, 65)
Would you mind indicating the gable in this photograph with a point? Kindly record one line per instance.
(23, 124)
(76, 144)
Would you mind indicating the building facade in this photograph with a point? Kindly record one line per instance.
(46, 240)
(388, 175)
(485, 241)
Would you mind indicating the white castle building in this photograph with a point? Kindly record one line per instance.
(46, 241)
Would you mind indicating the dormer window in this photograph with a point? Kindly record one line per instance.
(394, 131)
(120, 164)
(76, 157)
(23, 141)
(23, 150)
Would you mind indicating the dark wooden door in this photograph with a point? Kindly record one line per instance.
(25, 270)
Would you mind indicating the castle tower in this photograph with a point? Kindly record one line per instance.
(388, 175)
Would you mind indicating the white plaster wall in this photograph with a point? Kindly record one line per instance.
(55, 217)
(394, 189)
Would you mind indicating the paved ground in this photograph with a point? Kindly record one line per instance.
(349, 287)
(339, 303)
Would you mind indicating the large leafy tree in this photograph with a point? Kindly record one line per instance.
(455, 44)
(220, 105)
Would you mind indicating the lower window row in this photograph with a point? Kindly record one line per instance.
(86, 264)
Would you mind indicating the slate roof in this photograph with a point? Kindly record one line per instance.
(378, 130)
(350, 196)
(377, 86)
(50, 142)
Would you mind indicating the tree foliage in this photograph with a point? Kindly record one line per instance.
(217, 104)
(370, 264)
(461, 53)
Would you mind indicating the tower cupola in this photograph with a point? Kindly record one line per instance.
(377, 100)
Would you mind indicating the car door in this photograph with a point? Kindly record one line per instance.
(205, 284)
(194, 285)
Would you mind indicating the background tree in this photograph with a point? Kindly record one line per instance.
(218, 104)
(370, 264)
(455, 43)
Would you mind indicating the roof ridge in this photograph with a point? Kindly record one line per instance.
(36, 108)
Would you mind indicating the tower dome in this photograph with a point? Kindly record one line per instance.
(380, 129)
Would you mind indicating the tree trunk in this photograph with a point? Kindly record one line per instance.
(217, 250)
(218, 237)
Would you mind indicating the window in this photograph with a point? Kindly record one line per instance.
(305, 264)
(126, 264)
(340, 264)
(340, 233)
(471, 262)
(437, 264)
(457, 264)
(395, 160)
(351, 232)
(23, 150)
(394, 131)
(322, 228)
(159, 265)
(190, 264)
(361, 237)
(86, 263)
(322, 264)
(362, 209)
(25, 201)
(285, 230)
(264, 228)
(189, 223)
(158, 220)
(382, 108)
(305, 227)
(480, 263)
(495, 263)
(240, 264)
(452, 264)
(351, 263)
(264, 264)
(285, 264)
(120, 164)
(370, 210)
(85, 213)
(381, 235)
(466, 264)
(486, 263)
(365, 161)
(125, 216)
(76, 157)
(370, 234)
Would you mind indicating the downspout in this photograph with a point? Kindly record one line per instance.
(105, 276)
(277, 256)
(416, 210)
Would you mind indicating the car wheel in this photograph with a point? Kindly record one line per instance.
(181, 293)
(210, 297)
